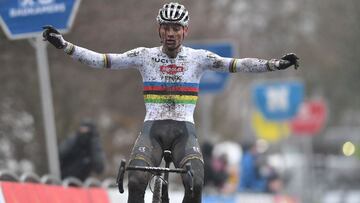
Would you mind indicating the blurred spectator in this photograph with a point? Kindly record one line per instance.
(250, 177)
(274, 181)
(215, 168)
(230, 152)
(82, 153)
(232, 180)
(219, 166)
(207, 149)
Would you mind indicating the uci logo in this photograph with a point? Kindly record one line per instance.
(28, 3)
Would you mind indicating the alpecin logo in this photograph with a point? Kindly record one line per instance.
(171, 69)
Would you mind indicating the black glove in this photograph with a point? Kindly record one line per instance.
(290, 59)
(285, 62)
(53, 36)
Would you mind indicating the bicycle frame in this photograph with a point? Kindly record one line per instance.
(161, 183)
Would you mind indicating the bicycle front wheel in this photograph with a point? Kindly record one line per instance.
(157, 190)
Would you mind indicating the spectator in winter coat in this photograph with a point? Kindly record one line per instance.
(82, 154)
(251, 180)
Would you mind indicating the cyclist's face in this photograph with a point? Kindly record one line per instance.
(172, 35)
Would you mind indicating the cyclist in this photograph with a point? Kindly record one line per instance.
(171, 75)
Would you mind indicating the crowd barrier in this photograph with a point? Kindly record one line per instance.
(39, 193)
(29, 188)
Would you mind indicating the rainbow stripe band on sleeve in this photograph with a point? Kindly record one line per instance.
(69, 48)
(232, 66)
(107, 62)
(178, 93)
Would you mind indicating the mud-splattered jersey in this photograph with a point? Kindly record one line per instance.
(170, 85)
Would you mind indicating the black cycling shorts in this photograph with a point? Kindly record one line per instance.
(156, 136)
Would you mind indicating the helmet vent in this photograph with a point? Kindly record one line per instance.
(173, 13)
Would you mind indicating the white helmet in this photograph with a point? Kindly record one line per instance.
(173, 13)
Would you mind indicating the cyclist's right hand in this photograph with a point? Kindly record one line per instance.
(53, 36)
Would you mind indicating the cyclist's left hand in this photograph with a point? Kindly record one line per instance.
(291, 59)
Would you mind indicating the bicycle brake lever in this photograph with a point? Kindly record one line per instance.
(120, 176)
(190, 173)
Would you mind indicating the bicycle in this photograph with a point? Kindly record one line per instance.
(161, 175)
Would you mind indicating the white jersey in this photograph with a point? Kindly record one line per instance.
(170, 85)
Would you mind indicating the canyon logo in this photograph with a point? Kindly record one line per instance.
(171, 69)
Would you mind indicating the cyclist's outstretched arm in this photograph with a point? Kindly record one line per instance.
(92, 58)
(232, 65)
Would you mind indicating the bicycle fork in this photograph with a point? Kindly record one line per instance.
(165, 185)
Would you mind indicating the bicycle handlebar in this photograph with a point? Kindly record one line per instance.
(190, 173)
(120, 177)
(156, 169)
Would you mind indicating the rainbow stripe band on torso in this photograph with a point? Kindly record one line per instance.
(178, 93)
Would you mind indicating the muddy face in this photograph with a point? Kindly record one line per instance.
(172, 36)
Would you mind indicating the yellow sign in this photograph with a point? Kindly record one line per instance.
(271, 131)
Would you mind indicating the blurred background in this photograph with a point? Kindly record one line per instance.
(319, 163)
